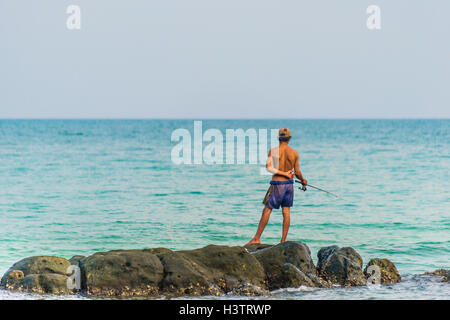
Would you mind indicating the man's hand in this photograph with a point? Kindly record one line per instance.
(304, 182)
(288, 174)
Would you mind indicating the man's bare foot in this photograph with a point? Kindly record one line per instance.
(253, 241)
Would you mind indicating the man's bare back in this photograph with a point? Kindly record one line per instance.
(283, 162)
(284, 158)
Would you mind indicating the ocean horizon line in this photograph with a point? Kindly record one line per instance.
(214, 119)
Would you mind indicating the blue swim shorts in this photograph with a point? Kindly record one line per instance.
(280, 193)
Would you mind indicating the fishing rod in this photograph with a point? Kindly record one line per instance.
(304, 188)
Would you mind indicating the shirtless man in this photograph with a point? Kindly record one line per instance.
(283, 163)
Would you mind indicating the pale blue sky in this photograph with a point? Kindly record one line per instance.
(224, 59)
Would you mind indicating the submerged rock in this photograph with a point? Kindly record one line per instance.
(273, 258)
(341, 266)
(121, 273)
(41, 274)
(388, 273)
(445, 274)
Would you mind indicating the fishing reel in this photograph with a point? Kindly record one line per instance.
(303, 187)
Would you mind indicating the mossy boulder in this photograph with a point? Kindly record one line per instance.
(273, 258)
(388, 273)
(47, 283)
(121, 273)
(40, 274)
(182, 276)
(41, 264)
(227, 268)
(341, 266)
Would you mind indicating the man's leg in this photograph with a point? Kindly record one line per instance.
(286, 222)
(262, 224)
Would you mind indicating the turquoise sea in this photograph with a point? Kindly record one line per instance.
(70, 187)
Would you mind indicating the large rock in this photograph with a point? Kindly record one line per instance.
(41, 274)
(384, 270)
(121, 273)
(227, 268)
(185, 277)
(341, 266)
(273, 258)
(41, 264)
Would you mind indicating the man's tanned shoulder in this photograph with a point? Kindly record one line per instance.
(293, 152)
